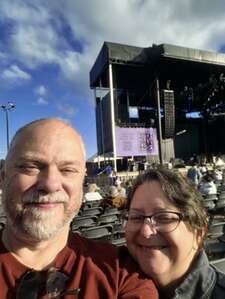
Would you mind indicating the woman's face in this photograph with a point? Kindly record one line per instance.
(164, 256)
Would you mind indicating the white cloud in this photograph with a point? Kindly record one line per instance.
(67, 109)
(3, 56)
(142, 23)
(42, 101)
(23, 11)
(139, 23)
(38, 37)
(66, 120)
(34, 46)
(14, 73)
(41, 90)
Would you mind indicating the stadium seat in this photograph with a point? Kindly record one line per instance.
(209, 204)
(99, 232)
(92, 211)
(219, 263)
(221, 195)
(83, 222)
(222, 238)
(215, 250)
(220, 203)
(216, 229)
(217, 218)
(3, 219)
(91, 204)
(119, 242)
(108, 218)
(211, 197)
(111, 211)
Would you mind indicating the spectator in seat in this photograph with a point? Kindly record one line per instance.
(194, 174)
(114, 199)
(207, 185)
(218, 175)
(92, 193)
(121, 190)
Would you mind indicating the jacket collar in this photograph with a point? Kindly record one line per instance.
(199, 282)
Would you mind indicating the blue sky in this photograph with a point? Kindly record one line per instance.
(47, 49)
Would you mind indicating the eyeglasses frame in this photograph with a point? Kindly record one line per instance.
(180, 215)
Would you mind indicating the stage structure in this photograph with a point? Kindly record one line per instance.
(146, 99)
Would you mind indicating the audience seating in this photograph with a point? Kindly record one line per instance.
(215, 249)
(216, 229)
(82, 222)
(119, 241)
(107, 218)
(220, 203)
(111, 211)
(222, 238)
(219, 263)
(102, 232)
(209, 204)
(91, 204)
(92, 211)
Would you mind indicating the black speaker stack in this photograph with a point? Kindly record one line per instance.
(169, 114)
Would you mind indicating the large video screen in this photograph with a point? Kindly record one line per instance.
(136, 142)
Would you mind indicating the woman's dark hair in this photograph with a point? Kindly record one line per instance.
(180, 192)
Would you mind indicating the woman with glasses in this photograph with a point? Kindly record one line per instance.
(165, 226)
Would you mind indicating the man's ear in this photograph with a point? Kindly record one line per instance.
(2, 172)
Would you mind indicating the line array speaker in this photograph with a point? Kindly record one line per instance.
(169, 113)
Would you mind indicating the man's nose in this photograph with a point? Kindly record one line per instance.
(147, 228)
(49, 180)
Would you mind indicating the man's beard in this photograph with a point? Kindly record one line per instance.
(37, 223)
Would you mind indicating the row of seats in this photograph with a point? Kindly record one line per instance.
(215, 241)
(215, 203)
(97, 223)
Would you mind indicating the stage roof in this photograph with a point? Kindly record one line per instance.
(157, 54)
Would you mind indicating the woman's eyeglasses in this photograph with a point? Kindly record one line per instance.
(164, 222)
(51, 283)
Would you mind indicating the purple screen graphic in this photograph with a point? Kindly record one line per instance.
(136, 142)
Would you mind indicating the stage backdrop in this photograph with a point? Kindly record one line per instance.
(136, 142)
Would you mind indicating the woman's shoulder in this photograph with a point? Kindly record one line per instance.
(219, 289)
(221, 278)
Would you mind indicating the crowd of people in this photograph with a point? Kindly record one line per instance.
(165, 225)
(206, 180)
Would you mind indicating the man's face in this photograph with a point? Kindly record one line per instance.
(43, 180)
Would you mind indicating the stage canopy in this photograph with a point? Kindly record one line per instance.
(138, 67)
(163, 53)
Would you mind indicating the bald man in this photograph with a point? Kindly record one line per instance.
(42, 189)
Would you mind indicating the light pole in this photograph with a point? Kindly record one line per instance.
(6, 108)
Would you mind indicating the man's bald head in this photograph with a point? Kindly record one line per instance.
(55, 123)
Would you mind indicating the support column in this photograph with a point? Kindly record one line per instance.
(112, 117)
(102, 125)
(159, 124)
